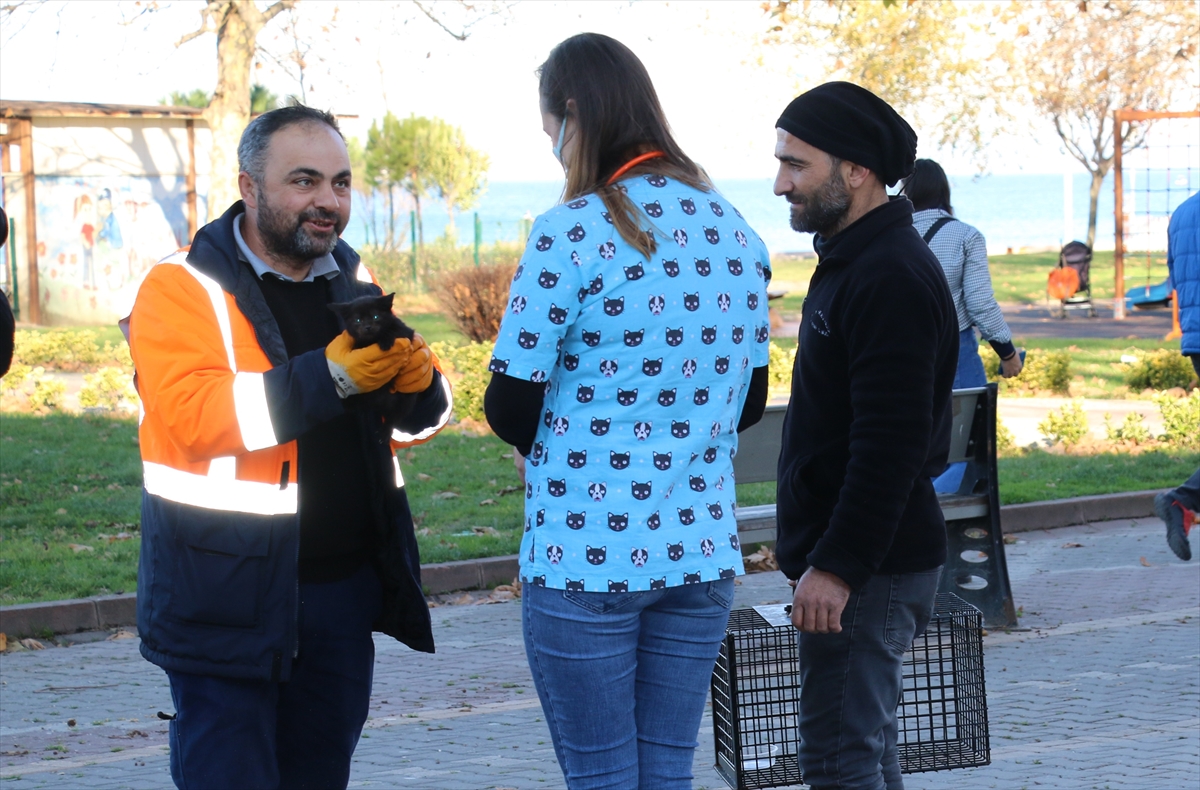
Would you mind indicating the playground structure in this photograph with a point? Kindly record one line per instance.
(1149, 183)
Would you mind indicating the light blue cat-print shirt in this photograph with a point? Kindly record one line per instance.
(629, 484)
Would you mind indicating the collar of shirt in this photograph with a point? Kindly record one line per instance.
(325, 266)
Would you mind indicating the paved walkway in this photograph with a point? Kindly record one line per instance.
(1103, 692)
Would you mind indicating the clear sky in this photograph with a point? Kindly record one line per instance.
(721, 88)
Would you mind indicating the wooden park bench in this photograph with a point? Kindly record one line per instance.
(975, 569)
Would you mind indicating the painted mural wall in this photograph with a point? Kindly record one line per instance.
(111, 197)
(99, 235)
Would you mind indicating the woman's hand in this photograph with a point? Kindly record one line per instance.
(1012, 366)
(519, 463)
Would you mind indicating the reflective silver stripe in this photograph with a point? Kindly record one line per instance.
(214, 493)
(401, 436)
(220, 308)
(249, 394)
(253, 416)
(399, 474)
(364, 274)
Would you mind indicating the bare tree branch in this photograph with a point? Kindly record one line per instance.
(207, 24)
(459, 36)
(276, 8)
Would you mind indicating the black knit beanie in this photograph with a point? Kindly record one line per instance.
(851, 123)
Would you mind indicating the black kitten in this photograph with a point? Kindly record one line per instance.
(370, 320)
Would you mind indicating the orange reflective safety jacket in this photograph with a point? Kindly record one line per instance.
(223, 405)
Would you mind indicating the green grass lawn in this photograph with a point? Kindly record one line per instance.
(76, 480)
(1096, 367)
(1018, 278)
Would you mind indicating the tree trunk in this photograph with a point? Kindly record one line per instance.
(1093, 204)
(237, 26)
(420, 223)
(391, 230)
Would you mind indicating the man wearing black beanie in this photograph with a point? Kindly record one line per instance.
(859, 525)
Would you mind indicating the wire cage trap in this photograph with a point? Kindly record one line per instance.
(942, 714)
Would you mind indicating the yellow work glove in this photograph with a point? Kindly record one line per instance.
(358, 370)
(417, 373)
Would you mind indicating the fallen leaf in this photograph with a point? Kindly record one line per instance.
(32, 644)
(424, 477)
(487, 502)
(1146, 562)
(1051, 485)
(115, 487)
(122, 634)
(509, 490)
(762, 560)
(485, 531)
(3, 641)
(62, 511)
(1010, 539)
(78, 547)
(114, 538)
(507, 456)
(1072, 545)
(424, 531)
(445, 495)
(70, 722)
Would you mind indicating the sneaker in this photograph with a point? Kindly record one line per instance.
(1179, 521)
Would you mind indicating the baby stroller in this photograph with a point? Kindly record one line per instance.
(1070, 282)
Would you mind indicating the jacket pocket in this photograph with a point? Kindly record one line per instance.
(219, 572)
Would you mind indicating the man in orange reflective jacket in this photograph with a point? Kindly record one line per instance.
(276, 531)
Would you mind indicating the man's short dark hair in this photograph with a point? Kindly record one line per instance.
(252, 148)
(928, 187)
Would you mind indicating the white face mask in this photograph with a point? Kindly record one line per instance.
(562, 132)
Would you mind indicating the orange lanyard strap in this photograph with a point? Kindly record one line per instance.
(637, 160)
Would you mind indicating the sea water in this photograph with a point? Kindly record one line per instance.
(1021, 212)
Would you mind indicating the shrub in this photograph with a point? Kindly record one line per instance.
(107, 389)
(1043, 371)
(1133, 429)
(467, 367)
(1181, 418)
(1160, 369)
(1006, 442)
(394, 270)
(68, 350)
(779, 372)
(16, 376)
(47, 392)
(475, 298)
(1067, 425)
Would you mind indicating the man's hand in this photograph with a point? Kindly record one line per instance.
(358, 370)
(417, 373)
(1012, 366)
(818, 602)
(519, 463)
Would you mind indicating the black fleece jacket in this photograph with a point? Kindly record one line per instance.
(869, 420)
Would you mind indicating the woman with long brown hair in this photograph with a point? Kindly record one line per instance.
(634, 349)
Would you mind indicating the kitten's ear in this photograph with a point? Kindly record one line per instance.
(387, 300)
(341, 308)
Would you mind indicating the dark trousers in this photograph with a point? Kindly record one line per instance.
(1188, 494)
(850, 684)
(260, 735)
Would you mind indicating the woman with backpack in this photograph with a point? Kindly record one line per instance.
(633, 350)
(962, 252)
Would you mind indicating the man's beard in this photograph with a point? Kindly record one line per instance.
(821, 210)
(286, 237)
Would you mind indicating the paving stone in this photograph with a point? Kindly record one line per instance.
(1102, 692)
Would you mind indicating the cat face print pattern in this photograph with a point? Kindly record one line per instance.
(647, 362)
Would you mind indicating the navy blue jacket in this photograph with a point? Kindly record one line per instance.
(1183, 263)
(218, 588)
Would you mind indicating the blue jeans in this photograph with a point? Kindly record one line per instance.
(623, 678)
(259, 735)
(969, 374)
(850, 684)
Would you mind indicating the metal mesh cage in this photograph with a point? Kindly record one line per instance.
(756, 697)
